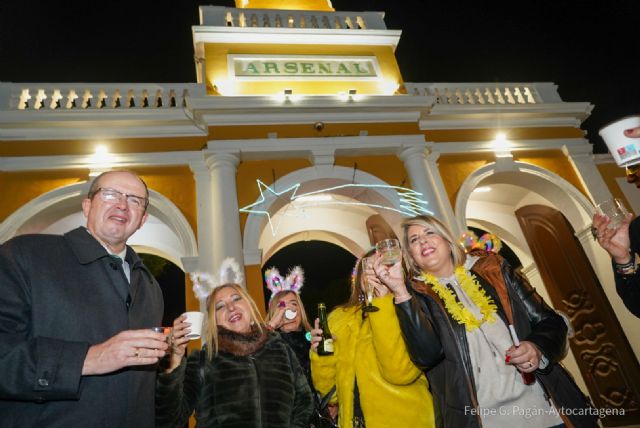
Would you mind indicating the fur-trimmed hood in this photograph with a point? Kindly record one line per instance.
(242, 344)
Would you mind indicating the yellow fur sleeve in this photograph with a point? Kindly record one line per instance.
(391, 352)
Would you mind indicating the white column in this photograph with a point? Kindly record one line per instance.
(204, 261)
(420, 163)
(582, 159)
(224, 218)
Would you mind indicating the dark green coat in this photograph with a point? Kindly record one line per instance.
(265, 388)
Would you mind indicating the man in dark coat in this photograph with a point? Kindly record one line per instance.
(76, 348)
(623, 245)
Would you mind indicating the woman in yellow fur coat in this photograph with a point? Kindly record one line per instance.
(369, 352)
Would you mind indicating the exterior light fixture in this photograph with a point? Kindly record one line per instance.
(350, 95)
(500, 143)
(482, 189)
(287, 95)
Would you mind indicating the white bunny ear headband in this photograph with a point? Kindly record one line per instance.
(275, 282)
(204, 283)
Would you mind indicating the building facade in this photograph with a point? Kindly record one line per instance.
(301, 127)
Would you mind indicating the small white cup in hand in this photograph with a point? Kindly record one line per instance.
(625, 150)
(196, 320)
(613, 209)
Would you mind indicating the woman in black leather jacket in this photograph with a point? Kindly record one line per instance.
(455, 313)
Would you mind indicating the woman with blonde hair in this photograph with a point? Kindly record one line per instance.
(376, 383)
(456, 312)
(245, 375)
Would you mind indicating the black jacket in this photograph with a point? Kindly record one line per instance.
(300, 345)
(628, 286)
(262, 388)
(60, 295)
(439, 346)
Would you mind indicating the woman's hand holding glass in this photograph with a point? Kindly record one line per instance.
(178, 341)
(392, 277)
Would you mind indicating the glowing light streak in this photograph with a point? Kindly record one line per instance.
(411, 203)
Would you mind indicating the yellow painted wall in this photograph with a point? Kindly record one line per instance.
(176, 184)
(454, 170)
(554, 161)
(18, 188)
(323, 5)
(88, 147)
(218, 80)
(461, 135)
(309, 130)
(387, 168)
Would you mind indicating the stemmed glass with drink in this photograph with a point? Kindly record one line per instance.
(367, 263)
(390, 251)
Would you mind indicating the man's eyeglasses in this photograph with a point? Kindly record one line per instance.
(112, 196)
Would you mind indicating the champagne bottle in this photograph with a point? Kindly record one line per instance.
(325, 347)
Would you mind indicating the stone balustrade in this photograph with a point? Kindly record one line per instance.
(486, 94)
(83, 96)
(218, 16)
(79, 96)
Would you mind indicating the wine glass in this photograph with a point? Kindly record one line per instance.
(367, 263)
(390, 251)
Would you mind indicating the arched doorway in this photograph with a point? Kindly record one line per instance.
(327, 271)
(339, 202)
(171, 280)
(503, 211)
(603, 353)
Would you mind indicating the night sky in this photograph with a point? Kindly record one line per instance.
(590, 48)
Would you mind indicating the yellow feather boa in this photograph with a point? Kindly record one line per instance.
(457, 310)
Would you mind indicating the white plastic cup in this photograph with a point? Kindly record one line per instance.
(615, 210)
(196, 319)
(625, 150)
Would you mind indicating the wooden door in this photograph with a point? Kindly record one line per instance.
(604, 356)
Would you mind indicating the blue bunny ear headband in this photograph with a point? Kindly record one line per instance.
(204, 283)
(276, 282)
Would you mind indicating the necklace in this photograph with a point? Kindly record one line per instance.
(469, 284)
